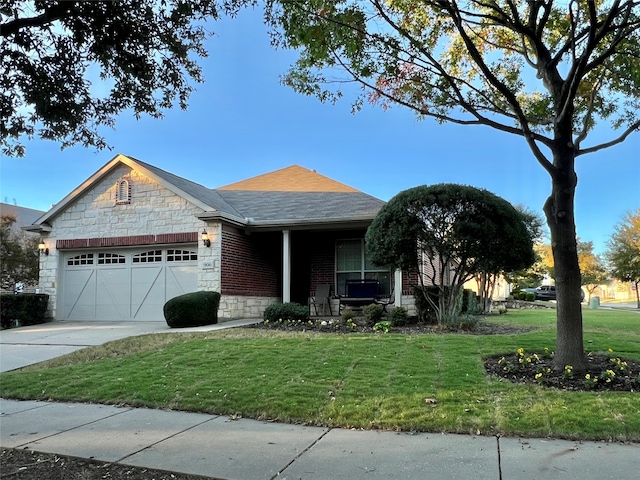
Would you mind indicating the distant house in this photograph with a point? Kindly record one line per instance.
(24, 216)
(133, 236)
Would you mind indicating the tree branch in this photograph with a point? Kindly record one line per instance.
(633, 127)
(50, 15)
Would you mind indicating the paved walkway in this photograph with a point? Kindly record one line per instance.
(243, 449)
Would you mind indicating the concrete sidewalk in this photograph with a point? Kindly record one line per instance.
(220, 447)
(217, 446)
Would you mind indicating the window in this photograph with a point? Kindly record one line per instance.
(84, 259)
(181, 255)
(352, 264)
(148, 257)
(110, 258)
(123, 192)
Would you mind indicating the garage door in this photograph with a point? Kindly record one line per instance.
(125, 284)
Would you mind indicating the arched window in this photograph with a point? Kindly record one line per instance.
(123, 192)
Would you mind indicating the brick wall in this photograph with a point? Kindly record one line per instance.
(251, 264)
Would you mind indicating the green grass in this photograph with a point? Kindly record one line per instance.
(365, 381)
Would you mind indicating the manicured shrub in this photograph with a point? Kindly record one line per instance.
(373, 313)
(192, 309)
(398, 317)
(286, 311)
(530, 296)
(22, 309)
(347, 314)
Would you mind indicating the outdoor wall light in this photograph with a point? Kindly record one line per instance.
(205, 239)
(42, 248)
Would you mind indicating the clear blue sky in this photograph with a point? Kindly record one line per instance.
(242, 122)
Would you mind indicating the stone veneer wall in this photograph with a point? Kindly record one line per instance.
(153, 210)
(240, 306)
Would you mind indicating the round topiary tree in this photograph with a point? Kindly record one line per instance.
(192, 309)
(447, 233)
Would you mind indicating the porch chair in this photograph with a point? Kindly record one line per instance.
(385, 300)
(321, 297)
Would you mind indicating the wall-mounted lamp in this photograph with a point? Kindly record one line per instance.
(205, 239)
(42, 248)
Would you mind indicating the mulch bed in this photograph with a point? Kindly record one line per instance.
(19, 464)
(607, 372)
(339, 326)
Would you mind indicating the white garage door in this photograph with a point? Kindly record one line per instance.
(125, 284)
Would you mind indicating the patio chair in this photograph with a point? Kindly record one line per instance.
(385, 300)
(321, 297)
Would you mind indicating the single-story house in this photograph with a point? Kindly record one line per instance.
(132, 236)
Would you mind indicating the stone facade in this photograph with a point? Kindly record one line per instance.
(153, 211)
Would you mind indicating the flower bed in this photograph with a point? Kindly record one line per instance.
(606, 372)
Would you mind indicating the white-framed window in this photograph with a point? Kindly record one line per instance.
(123, 192)
(148, 257)
(83, 259)
(352, 264)
(110, 258)
(174, 255)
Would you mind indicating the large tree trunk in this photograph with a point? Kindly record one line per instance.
(559, 210)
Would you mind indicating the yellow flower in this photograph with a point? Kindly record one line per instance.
(587, 376)
(538, 375)
(520, 351)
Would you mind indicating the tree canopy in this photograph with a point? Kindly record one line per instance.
(68, 68)
(447, 233)
(623, 251)
(546, 71)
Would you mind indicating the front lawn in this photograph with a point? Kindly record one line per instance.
(426, 382)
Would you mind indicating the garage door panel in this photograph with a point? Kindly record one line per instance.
(113, 296)
(147, 292)
(79, 294)
(181, 279)
(131, 284)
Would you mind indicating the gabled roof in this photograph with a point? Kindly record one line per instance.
(24, 216)
(287, 197)
(290, 179)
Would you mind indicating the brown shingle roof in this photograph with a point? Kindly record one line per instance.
(290, 179)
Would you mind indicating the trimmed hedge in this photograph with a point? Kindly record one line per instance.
(285, 311)
(22, 309)
(398, 317)
(373, 313)
(192, 309)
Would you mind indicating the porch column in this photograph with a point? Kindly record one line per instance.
(286, 266)
(397, 291)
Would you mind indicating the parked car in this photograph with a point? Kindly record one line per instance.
(547, 292)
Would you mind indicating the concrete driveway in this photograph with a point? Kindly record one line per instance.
(28, 345)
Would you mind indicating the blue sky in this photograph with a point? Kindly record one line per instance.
(242, 122)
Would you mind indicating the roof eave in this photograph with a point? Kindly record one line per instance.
(340, 223)
(250, 224)
(41, 228)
